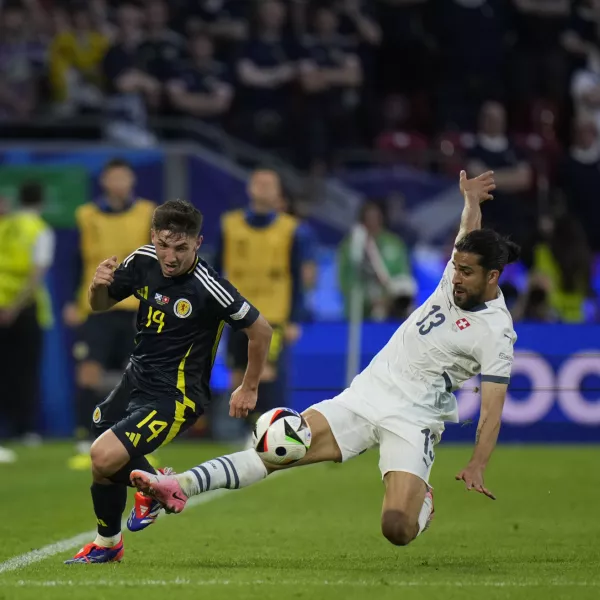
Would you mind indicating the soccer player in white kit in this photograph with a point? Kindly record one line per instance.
(402, 399)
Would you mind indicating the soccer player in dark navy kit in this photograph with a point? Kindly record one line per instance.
(184, 306)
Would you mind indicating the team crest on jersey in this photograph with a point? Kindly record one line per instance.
(463, 324)
(97, 415)
(160, 299)
(182, 308)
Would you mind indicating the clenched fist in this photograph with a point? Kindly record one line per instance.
(104, 275)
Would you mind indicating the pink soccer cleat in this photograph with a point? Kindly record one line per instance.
(163, 488)
(146, 509)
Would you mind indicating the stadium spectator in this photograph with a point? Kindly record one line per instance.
(117, 223)
(579, 179)
(512, 210)
(357, 20)
(22, 57)
(201, 87)
(161, 46)
(26, 254)
(128, 87)
(223, 20)
(469, 77)
(564, 261)
(397, 214)
(6, 454)
(533, 305)
(377, 261)
(581, 33)
(266, 70)
(405, 60)
(59, 21)
(260, 250)
(309, 243)
(75, 64)
(331, 76)
(397, 140)
(539, 64)
(585, 88)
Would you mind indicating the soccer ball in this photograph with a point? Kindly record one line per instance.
(281, 436)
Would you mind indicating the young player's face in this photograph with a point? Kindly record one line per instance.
(471, 283)
(176, 252)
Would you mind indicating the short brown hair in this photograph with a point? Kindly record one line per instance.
(179, 217)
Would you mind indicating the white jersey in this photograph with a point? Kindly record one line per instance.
(437, 349)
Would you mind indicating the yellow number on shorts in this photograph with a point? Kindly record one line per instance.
(156, 316)
(156, 426)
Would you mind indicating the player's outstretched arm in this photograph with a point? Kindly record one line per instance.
(474, 191)
(492, 402)
(244, 398)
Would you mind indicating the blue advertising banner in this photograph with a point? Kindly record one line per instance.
(554, 394)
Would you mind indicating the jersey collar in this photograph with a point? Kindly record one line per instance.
(478, 308)
(485, 305)
(194, 265)
(259, 220)
(104, 206)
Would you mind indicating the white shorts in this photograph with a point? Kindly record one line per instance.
(403, 445)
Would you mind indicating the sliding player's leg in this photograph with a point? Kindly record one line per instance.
(408, 502)
(338, 434)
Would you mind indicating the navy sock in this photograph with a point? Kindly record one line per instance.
(109, 506)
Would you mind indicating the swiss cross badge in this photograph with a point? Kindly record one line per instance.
(463, 324)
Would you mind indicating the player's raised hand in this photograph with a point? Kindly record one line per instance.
(477, 189)
(104, 275)
(473, 478)
(242, 402)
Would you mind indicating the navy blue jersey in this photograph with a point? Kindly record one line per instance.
(179, 324)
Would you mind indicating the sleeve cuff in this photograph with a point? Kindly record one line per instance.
(495, 379)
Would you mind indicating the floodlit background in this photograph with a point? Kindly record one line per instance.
(367, 111)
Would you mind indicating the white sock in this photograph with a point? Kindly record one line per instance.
(107, 542)
(233, 471)
(424, 514)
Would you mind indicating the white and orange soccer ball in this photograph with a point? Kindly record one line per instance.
(281, 436)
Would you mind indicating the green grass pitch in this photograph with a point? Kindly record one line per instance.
(313, 533)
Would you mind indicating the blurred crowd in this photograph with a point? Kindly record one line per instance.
(350, 72)
(509, 85)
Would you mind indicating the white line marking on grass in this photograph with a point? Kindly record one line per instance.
(29, 558)
(298, 583)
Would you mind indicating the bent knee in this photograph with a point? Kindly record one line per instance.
(397, 528)
(105, 461)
